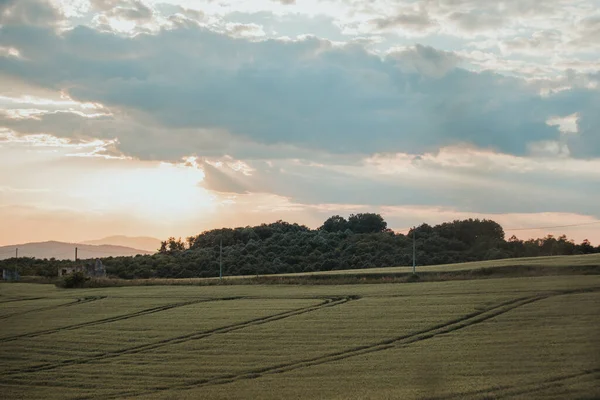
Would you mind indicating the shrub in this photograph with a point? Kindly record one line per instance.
(74, 280)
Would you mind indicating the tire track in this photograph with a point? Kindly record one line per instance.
(327, 302)
(400, 341)
(498, 392)
(546, 384)
(112, 319)
(22, 299)
(84, 300)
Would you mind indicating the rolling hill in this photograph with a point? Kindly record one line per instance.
(66, 251)
(140, 242)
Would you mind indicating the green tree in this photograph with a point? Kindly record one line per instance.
(586, 247)
(171, 245)
(334, 224)
(366, 223)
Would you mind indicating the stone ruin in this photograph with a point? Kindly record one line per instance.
(93, 269)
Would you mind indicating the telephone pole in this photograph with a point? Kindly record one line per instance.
(75, 254)
(414, 250)
(17, 252)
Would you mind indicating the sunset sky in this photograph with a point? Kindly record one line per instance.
(171, 117)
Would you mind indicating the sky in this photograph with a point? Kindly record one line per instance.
(171, 117)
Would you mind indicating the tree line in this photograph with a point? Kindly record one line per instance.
(360, 241)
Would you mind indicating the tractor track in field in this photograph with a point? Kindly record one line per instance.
(545, 384)
(113, 319)
(400, 341)
(507, 391)
(84, 300)
(326, 302)
(22, 299)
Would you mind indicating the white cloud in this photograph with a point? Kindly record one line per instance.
(566, 125)
(416, 22)
(549, 148)
(539, 43)
(244, 30)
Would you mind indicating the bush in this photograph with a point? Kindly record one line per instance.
(74, 280)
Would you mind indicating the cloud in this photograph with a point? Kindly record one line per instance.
(75, 125)
(418, 21)
(244, 30)
(297, 112)
(539, 42)
(586, 34)
(173, 9)
(308, 93)
(133, 10)
(566, 125)
(477, 21)
(549, 148)
(291, 25)
(462, 178)
(28, 12)
(591, 27)
(425, 60)
(466, 178)
(223, 179)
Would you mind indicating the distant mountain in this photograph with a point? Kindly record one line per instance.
(140, 242)
(66, 251)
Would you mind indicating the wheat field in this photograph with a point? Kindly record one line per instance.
(529, 337)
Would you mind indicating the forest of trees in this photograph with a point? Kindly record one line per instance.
(361, 241)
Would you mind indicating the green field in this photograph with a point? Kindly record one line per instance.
(552, 261)
(528, 337)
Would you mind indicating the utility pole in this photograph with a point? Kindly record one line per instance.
(17, 252)
(75, 254)
(16, 260)
(414, 250)
(221, 259)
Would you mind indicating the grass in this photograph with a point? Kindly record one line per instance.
(588, 264)
(553, 261)
(515, 267)
(524, 337)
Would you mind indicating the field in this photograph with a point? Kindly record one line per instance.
(527, 337)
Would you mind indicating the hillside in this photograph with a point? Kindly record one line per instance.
(138, 242)
(361, 242)
(66, 251)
